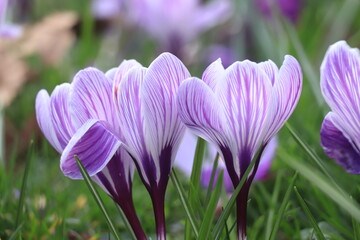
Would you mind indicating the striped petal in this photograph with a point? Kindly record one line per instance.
(121, 71)
(163, 127)
(200, 111)
(213, 74)
(42, 107)
(92, 98)
(131, 118)
(94, 144)
(285, 96)
(340, 85)
(60, 113)
(245, 94)
(270, 68)
(339, 147)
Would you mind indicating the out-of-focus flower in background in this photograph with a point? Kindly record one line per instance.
(106, 9)
(340, 85)
(225, 53)
(8, 30)
(288, 8)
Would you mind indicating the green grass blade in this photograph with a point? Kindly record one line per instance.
(206, 224)
(229, 206)
(97, 197)
(282, 208)
(15, 234)
(212, 177)
(189, 212)
(306, 209)
(319, 180)
(24, 181)
(126, 222)
(274, 200)
(311, 154)
(356, 227)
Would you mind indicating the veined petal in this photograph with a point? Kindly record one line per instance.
(340, 85)
(270, 68)
(285, 96)
(111, 73)
(94, 144)
(60, 115)
(131, 118)
(245, 94)
(200, 111)
(92, 98)
(163, 127)
(121, 71)
(339, 147)
(42, 107)
(213, 74)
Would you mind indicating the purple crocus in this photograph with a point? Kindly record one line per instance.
(239, 110)
(288, 8)
(173, 23)
(106, 9)
(111, 120)
(340, 85)
(81, 119)
(7, 30)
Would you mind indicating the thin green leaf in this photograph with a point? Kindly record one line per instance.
(96, 196)
(356, 227)
(17, 231)
(227, 210)
(189, 212)
(319, 180)
(306, 209)
(212, 177)
(282, 208)
(24, 181)
(311, 154)
(273, 204)
(206, 224)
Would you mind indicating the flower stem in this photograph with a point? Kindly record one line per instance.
(158, 199)
(128, 208)
(241, 205)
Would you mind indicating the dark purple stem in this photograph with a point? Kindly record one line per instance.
(158, 199)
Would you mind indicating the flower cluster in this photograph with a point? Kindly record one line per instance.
(135, 117)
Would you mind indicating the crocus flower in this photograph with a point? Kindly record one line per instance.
(288, 8)
(340, 85)
(239, 110)
(174, 23)
(7, 30)
(150, 124)
(81, 119)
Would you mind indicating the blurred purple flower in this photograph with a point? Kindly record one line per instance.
(81, 119)
(105, 9)
(288, 8)
(185, 158)
(239, 110)
(340, 85)
(8, 30)
(226, 54)
(174, 23)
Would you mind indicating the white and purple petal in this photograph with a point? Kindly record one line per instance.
(42, 107)
(94, 144)
(340, 85)
(285, 96)
(163, 128)
(337, 146)
(214, 74)
(118, 74)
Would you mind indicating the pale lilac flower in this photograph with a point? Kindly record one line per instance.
(81, 119)
(239, 110)
(288, 8)
(8, 30)
(174, 23)
(340, 85)
(105, 9)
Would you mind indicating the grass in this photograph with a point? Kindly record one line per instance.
(38, 202)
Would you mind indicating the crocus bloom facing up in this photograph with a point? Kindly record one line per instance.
(81, 119)
(173, 23)
(340, 85)
(239, 110)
